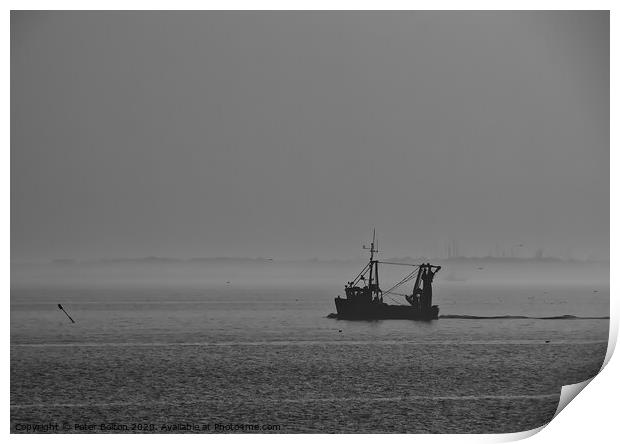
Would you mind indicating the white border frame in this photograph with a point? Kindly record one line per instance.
(592, 418)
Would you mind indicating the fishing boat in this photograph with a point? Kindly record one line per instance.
(364, 297)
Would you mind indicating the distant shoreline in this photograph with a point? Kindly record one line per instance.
(262, 260)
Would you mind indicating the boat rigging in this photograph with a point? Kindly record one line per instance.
(364, 297)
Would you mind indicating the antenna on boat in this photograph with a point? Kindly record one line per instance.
(373, 245)
(376, 241)
(373, 266)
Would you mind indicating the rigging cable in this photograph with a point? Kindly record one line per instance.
(402, 281)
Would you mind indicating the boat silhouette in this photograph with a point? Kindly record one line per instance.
(364, 297)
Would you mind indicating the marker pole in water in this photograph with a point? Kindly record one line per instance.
(63, 310)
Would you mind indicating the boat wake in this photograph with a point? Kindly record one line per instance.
(548, 318)
(562, 317)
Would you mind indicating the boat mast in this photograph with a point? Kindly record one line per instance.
(372, 251)
(376, 245)
(373, 265)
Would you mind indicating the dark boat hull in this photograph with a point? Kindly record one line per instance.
(348, 309)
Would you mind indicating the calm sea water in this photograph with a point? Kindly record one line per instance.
(168, 356)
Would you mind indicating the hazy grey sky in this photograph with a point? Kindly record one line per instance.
(292, 134)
